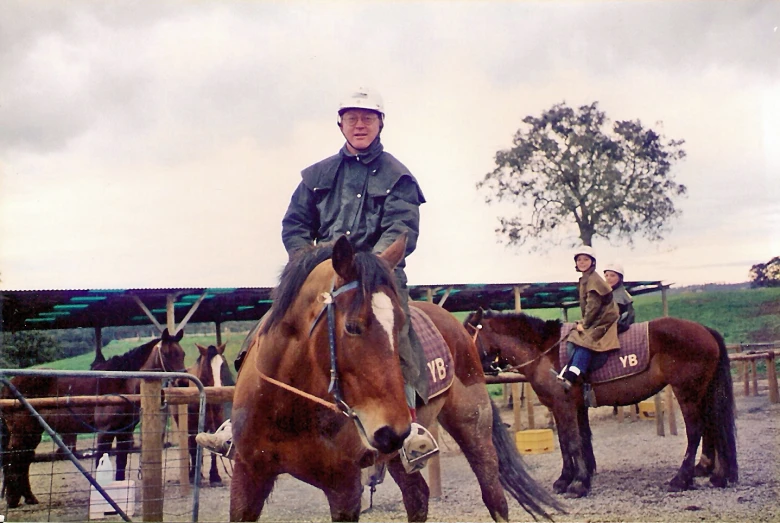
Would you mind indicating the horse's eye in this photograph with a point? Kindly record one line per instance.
(353, 328)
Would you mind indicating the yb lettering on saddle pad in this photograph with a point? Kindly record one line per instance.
(441, 368)
(632, 358)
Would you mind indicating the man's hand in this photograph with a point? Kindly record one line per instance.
(580, 328)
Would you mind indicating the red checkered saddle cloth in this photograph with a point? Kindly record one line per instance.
(441, 368)
(632, 358)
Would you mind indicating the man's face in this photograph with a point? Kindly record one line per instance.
(360, 127)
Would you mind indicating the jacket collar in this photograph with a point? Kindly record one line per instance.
(367, 156)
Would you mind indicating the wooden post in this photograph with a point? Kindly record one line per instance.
(516, 406)
(746, 377)
(659, 415)
(664, 301)
(518, 301)
(218, 325)
(170, 314)
(754, 370)
(565, 315)
(620, 414)
(670, 410)
(771, 375)
(151, 450)
(184, 448)
(434, 466)
(529, 401)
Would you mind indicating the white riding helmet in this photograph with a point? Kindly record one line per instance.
(363, 98)
(615, 267)
(585, 249)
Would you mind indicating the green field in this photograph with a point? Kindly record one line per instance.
(748, 315)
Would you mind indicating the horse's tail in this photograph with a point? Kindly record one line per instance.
(513, 476)
(719, 411)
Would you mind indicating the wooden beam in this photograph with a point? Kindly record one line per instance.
(444, 298)
(148, 313)
(192, 310)
(170, 314)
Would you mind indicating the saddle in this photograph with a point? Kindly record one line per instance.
(632, 358)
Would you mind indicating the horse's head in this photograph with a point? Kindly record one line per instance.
(345, 316)
(167, 356)
(511, 339)
(211, 367)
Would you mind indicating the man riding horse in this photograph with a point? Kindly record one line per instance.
(366, 194)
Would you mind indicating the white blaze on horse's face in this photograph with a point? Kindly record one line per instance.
(216, 370)
(382, 306)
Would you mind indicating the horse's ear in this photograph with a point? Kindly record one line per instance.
(203, 350)
(478, 316)
(396, 252)
(165, 335)
(221, 348)
(343, 258)
(179, 336)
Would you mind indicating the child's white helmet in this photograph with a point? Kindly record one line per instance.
(615, 267)
(585, 249)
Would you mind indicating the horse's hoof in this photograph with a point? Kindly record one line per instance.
(560, 486)
(215, 482)
(576, 490)
(700, 471)
(12, 503)
(32, 500)
(678, 485)
(718, 482)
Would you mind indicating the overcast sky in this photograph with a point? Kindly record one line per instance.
(156, 144)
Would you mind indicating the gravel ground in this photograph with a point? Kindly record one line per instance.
(634, 466)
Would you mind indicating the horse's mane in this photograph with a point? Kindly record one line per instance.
(130, 360)
(510, 322)
(372, 272)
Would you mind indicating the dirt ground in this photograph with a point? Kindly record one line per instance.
(634, 466)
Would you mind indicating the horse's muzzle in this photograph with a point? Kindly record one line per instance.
(387, 440)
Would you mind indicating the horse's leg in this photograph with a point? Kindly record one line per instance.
(414, 491)
(707, 460)
(573, 447)
(23, 451)
(344, 496)
(586, 437)
(124, 446)
(249, 489)
(691, 412)
(214, 477)
(468, 417)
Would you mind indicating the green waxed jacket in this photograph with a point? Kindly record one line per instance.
(372, 198)
(599, 314)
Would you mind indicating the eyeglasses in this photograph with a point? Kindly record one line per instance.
(352, 119)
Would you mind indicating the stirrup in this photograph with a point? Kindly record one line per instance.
(417, 448)
(216, 442)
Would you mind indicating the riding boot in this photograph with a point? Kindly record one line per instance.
(418, 447)
(567, 379)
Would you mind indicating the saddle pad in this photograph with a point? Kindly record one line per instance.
(632, 358)
(441, 368)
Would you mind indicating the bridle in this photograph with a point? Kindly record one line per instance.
(514, 368)
(158, 350)
(328, 309)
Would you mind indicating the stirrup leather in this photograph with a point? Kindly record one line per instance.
(417, 448)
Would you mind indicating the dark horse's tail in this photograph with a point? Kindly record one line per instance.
(719, 412)
(512, 474)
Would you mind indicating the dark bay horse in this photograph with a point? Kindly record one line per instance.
(24, 432)
(212, 369)
(320, 394)
(686, 355)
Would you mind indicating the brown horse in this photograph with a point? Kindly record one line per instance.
(320, 394)
(686, 355)
(24, 431)
(212, 369)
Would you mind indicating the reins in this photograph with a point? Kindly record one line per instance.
(513, 368)
(329, 304)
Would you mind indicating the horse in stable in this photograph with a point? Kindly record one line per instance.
(320, 395)
(688, 356)
(22, 433)
(212, 369)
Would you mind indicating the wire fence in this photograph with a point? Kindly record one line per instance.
(55, 463)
